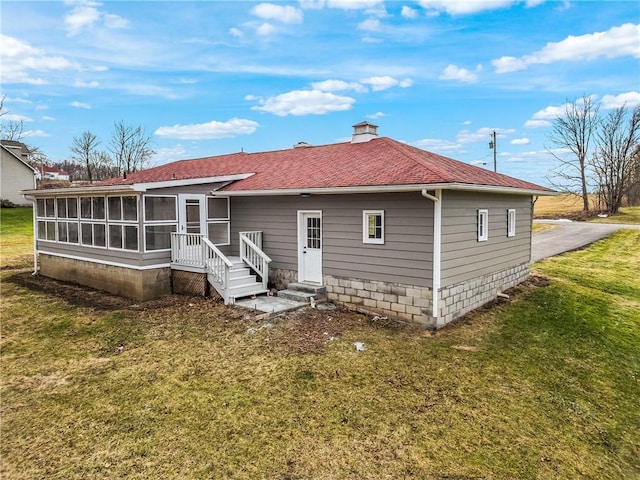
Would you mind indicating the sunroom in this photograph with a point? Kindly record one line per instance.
(136, 232)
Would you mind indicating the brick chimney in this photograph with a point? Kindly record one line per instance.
(363, 132)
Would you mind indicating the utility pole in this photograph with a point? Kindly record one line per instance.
(494, 146)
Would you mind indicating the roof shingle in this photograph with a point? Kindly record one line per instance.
(378, 162)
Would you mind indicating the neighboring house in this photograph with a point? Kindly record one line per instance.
(51, 173)
(383, 226)
(16, 174)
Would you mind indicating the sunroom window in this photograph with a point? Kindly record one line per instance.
(160, 217)
(218, 220)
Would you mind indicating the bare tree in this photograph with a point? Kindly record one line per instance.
(12, 130)
(85, 151)
(573, 132)
(614, 160)
(130, 147)
(633, 195)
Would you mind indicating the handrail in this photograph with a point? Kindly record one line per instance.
(253, 256)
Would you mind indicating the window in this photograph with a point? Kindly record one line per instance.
(93, 228)
(373, 226)
(123, 208)
(160, 216)
(314, 232)
(218, 220)
(483, 225)
(511, 222)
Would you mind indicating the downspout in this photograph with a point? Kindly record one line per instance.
(35, 234)
(437, 248)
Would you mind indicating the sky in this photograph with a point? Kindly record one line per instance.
(205, 78)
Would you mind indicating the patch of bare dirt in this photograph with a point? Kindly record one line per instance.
(87, 297)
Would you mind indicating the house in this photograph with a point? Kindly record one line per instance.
(16, 174)
(379, 224)
(52, 173)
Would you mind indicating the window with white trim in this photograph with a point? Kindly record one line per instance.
(373, 226)
(160, 220)
(511, 222)
(218, 230)
(57, 219)
(122, 215)
(483, 225)
(93, 227)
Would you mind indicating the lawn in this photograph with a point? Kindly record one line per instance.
(544, 386)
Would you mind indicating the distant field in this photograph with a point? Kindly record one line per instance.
(561, 205)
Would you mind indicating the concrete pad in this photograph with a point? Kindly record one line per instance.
(267, 304)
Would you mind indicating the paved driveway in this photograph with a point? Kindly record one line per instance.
(568, 235)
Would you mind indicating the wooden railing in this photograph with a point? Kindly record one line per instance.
(251, 253)
(186, 249)
(217, 266)
(194, 250)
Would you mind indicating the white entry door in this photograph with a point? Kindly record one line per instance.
(192, 218)
(310, 247)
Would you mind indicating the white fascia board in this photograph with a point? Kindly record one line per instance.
(143, 187)
(387, 188)
(81, 190)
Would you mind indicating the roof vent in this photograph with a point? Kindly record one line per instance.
(363, 132)
(302, 145)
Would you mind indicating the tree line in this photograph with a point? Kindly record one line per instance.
(597, 153)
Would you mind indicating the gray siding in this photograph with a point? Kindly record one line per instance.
(463, 256)
(405, 257)
(14, 176)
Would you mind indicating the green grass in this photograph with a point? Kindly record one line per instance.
(626, 215)
(544, 387)
(16, 237)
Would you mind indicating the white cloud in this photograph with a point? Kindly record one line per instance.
(370, 25)
(35, 133)
(629, 99)
(438, 145)
(520, 141)
(380, 83)
(551, 112)
(85, 14)
(376, 115)
(304, 102)
(48, 118)
(281, 13)
(482, 134)
(20, 59)
(76, 104)
(354, 4)
(83, 84)
(210, 130)
(453, 72)
(266, 29)
(467, 122)
(616, 42)
(12, 117)
(234, 32)
(537, 123)
(408, 12)
(338, 86)
(168, 154)
(406, 83)
(464, 7)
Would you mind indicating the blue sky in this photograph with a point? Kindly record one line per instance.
(212, 77)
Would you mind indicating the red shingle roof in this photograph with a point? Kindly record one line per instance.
(378, 162)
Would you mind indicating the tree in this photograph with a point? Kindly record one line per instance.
(130, 147)
(85, 151)
(12, 130)
(615, 158)
(633, 195)
(573, 131)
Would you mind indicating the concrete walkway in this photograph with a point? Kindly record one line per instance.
(568, 236)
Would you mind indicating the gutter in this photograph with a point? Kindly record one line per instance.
(437, 247)
(386, 189)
